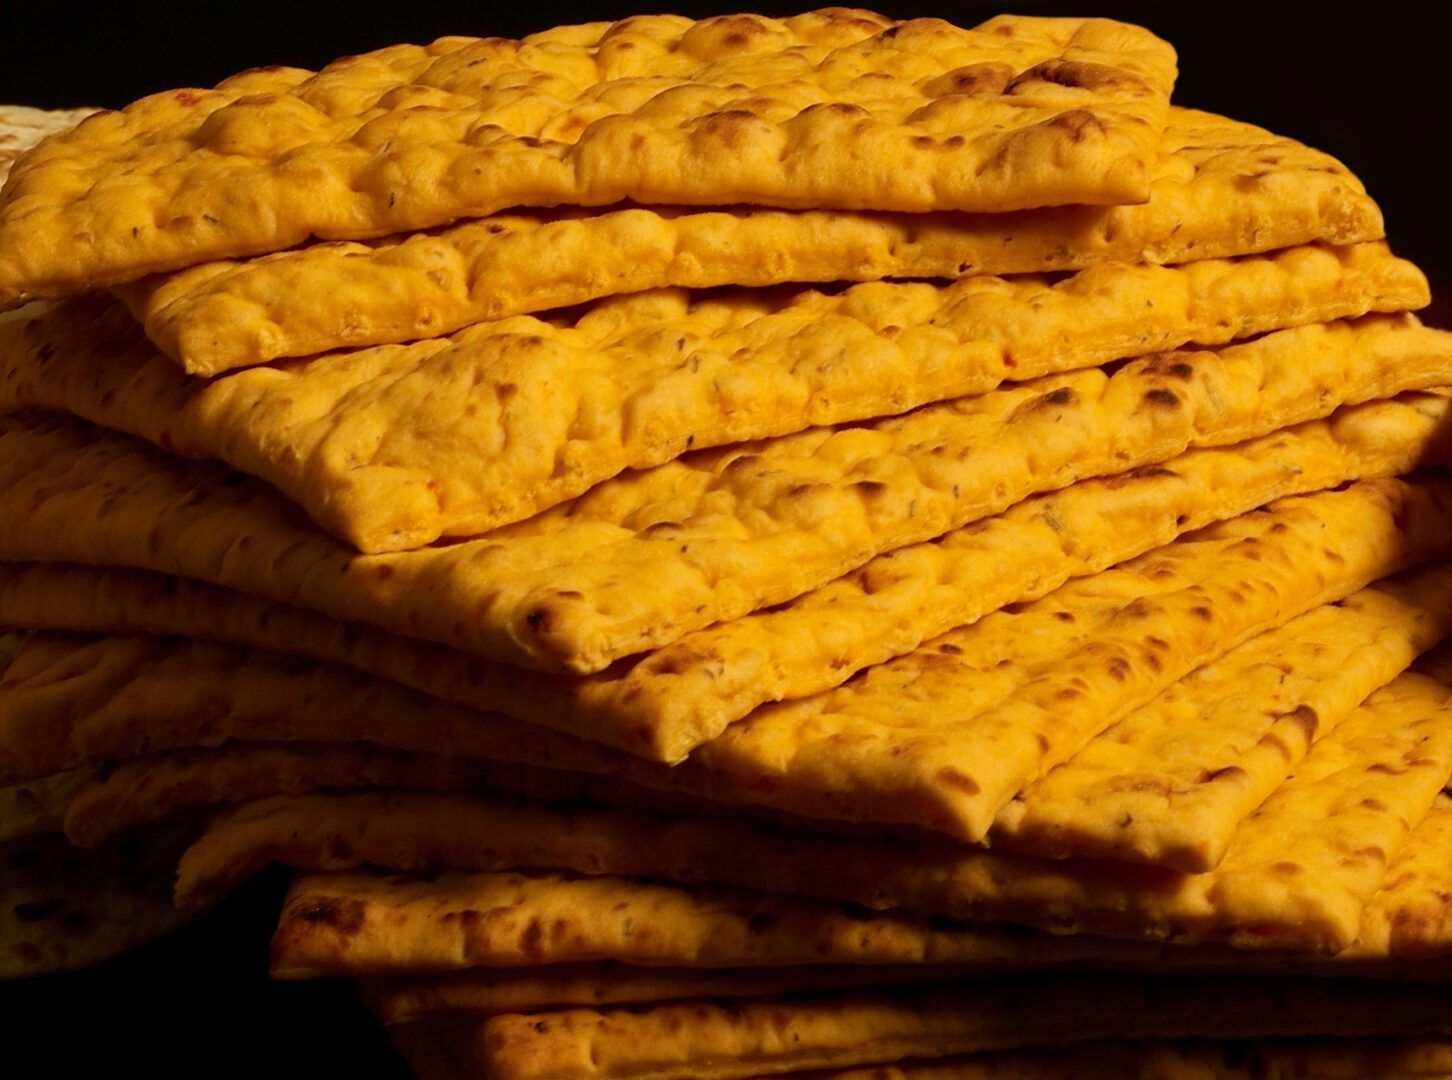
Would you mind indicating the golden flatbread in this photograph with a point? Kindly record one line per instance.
(834, 108)
(1409, 917)
(704, 681)
(375, 924)
(391, 448)
(1219, 188)
(701, 683)
(648, 556)
(945, 736)
(1170, 783)
(709, 1041)
(1298, 874)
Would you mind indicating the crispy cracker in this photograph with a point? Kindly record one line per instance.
(373, 924)
(706, 1041)
(1297, 875)
(114, 698)
(945, 736)
(1204, 204)
(1409, 917)
(987, 709)
(62, 909)
(391, 448)
(834, 108)
(705, 680)
(655, 554)
(1170, 783)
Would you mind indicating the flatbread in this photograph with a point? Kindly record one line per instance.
(1170, 783)
(706, 680)
(712, 536)
(833, 108)
(391, 448)
(1409, 917)
(21, 127)
(62, 909)
(375, 924)
(945, 736)
(715, 1042)
(987, 710)
(1297, 876)
(1219, 188)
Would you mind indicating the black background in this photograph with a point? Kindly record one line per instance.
(1367, 83)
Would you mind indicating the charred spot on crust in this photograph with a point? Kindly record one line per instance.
(958, 780)
(1305, 718)
(1078, 75)
(343, 914)
(1076, 124)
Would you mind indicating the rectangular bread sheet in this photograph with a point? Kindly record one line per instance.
(391, 448)
(833, 108)
(699, 684)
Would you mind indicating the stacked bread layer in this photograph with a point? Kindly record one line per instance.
(747, 546)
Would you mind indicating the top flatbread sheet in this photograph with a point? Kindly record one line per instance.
(392, 447)
(1220, 188)
(833, 108)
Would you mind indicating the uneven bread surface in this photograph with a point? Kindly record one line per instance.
(1219, 188)
(645, 558)
(392, 448)
(125, 695)
(834, 108)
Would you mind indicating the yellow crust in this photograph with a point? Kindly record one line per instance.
(1170, 783)
(643, 559)
(947, 735)
(1219, 188)
(391, 448)
(371, 924)
(123, 695)
(834, 108)
(1409, 918)
(1297, 876)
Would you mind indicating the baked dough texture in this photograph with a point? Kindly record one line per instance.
(832, 108)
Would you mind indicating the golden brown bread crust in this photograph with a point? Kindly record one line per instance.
(827, 108)
(128, 695)
(391, 448)
(643, 559)
(1219, 188)
(710, 1041)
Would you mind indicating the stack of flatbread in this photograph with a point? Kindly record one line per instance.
(727, 548)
